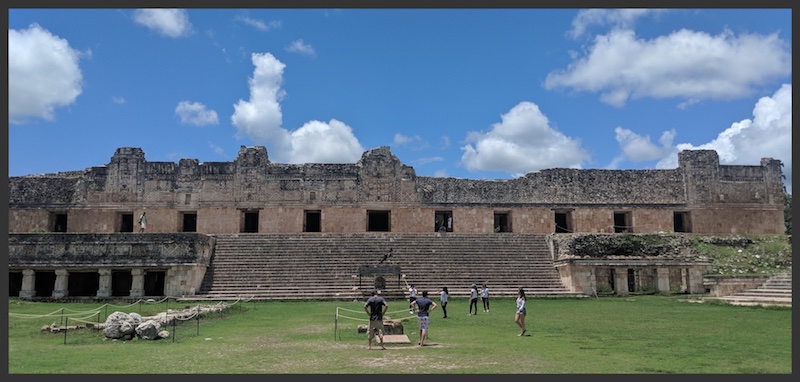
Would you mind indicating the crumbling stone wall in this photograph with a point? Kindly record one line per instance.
(721, 199)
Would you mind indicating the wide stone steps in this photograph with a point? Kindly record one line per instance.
(326, 266)
(776, 291)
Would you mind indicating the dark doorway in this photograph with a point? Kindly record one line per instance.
(121, 282)
(502, 222)
(611, 283)
(631, 280)
(378, 221)
(443, 218)
(622, 222)
(680, 222)
(154, 283)
(313, 221)
(14, 283)
(45, 283)
(250, 221)
(126, 224)
(563, 222)
(189, 222)
(60, 223)
(83, 284)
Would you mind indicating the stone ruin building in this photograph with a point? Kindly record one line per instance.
(75, 233)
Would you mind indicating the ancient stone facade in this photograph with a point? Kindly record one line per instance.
(379, 193)
(75, 231)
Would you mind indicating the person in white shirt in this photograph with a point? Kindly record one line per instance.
(412, 295)
(443, 296)
(485, 297)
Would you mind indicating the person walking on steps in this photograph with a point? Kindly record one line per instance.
(485, 297)
(473, 299)
(443, 296)
(519, 316)
(423, 306)
(375, 306)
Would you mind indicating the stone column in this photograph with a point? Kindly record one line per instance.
(137, 284)
(621, 281)
(662, 284)
(104, 290)
(695, 282)
(28, 284)
(61, 288)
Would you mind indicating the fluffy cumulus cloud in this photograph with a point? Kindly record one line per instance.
(167, 22)
(621, 66)
(43, 74)
(639, 148)
(522, 142)
(259, 119)
(768, 134)
(195, 113)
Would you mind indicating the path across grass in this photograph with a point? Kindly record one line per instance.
(611, 335)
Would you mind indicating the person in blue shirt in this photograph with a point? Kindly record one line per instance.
(422, 306)
(375, 306)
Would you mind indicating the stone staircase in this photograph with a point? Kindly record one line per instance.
(326, 266)
(776, 291)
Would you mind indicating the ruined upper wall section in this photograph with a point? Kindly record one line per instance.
(379, 177)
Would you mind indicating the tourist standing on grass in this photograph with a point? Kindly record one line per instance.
(485, 297)
(423, 306)
(412, 295)
(375, 307)
(519, 316)
(443, 296)
(473, 299)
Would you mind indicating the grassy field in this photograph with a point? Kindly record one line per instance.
(612, 335)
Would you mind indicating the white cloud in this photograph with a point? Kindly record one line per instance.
(617, 18)
(260, 119)
(768, 134)
(43, 74)
(415, 143)
(216, 149)
(118, 100)
(621, 66)
(320, 142)
(195, 113)
(259, 24)
(167, 22)
(523, 142)
(298, 46)
(639, 148)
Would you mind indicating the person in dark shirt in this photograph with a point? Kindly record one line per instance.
(423, 306)
(375, 306)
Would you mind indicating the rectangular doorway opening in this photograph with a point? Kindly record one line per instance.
(189, 222)
(313, 221)
(126, 222)
(154, 283)
(502, 222)
(563, 222)
(443, 218)
(622, 222)
(121, 282)
(378, 221)
(249, 221)
(60, 222)
(681, 222)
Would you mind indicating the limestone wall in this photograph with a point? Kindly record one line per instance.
(718, 199)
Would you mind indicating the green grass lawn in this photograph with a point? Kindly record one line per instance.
(611, 335)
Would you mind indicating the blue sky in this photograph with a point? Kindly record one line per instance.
(466, 93)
